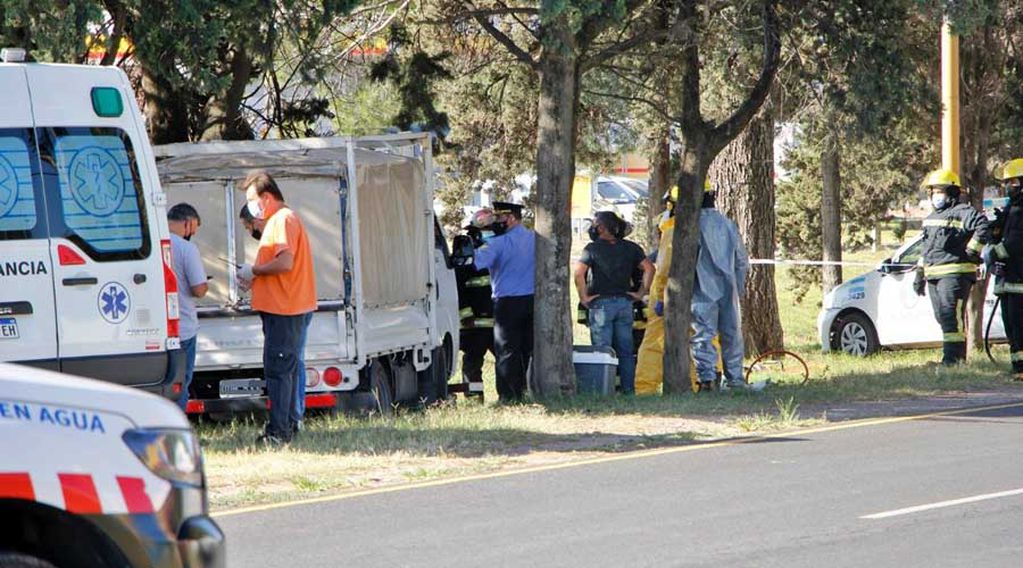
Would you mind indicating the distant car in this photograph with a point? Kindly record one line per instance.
(620, 194)
(98, 475)
(880, 310)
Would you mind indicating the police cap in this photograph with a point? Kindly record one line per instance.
(506, 208)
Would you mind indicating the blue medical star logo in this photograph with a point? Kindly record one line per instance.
(96, 182)
(113, 302)
(8, 187)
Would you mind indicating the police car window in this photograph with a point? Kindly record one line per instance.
(19, 207)
(102, 207)
(912, 254)
(613, 192)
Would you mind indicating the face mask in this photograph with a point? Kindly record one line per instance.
(256, 234)
(939, 200)
(1014, 192)
(487, 235)
(594, 233)
(255, 208)
(499, 227)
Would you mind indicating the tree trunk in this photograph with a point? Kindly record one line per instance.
(975, 153)
(224, 115)
(685, 241)
(743, 176)
(166, 108)
(553, 372)
(660, 182)
(831, 210)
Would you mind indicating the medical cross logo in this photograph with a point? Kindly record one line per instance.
(114, 302)
(96, 182)
(8, 187)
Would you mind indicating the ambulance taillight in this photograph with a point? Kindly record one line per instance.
(170, 283)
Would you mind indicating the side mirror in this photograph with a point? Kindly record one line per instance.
(463, 251)
(886, 266)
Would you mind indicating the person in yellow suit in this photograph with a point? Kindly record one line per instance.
(650, 359)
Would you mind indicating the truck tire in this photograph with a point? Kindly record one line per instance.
(380, 388)
(17, 560)
(855, 335)
(433, 382)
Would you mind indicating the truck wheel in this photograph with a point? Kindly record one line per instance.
(380, 388)
(855, 335)
(16, 560)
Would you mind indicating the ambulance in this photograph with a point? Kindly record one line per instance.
(86, 283)
(98, 475)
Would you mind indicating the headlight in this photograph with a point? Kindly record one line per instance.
(172, 454)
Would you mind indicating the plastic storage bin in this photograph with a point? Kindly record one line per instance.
(595, 369)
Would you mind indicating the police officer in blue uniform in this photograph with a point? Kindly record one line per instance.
(511, 259)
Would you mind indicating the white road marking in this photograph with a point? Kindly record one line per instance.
(943, 504)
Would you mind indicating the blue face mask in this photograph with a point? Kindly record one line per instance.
(487, 235)
(939, 201)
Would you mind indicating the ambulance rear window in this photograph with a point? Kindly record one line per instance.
(18, 216)
(100, 192)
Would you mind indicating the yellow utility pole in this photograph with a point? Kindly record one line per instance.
(949, 99)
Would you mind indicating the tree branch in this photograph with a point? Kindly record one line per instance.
(734, 124)
(504, 40)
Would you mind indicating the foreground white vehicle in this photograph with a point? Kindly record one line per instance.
(879, 309)
(99, 476)
(387, 322)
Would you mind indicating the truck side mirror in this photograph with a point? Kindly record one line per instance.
(463, 251)
(886, 266)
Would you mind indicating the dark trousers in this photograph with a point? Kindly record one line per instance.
(282, 340)
(1012, 321)
(474, 344)
(513, 344)
(948, 300)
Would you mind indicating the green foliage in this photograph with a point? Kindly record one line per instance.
(52, 30)
(369, 109)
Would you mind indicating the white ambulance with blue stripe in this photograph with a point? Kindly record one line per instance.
(86, 284)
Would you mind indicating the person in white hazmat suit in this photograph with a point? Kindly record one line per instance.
(721, 269)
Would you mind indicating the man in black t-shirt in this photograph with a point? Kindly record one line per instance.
(603, 278)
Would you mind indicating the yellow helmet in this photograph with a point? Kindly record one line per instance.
(1010, 169)
(671, 194)
(941, 178)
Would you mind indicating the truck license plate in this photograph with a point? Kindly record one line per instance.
(8, 328)
(241, 387)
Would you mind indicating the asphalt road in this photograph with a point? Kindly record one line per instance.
(790, 501)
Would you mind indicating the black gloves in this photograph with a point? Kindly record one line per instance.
(919, 283)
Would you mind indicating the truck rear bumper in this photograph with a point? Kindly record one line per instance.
(255, 403)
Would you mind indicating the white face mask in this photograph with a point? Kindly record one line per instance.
(939, 200)
(255, 209)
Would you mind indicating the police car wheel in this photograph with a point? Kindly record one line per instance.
(855, 335)
(16, 560)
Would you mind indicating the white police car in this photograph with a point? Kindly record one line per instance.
(879, 309)
(98, 475)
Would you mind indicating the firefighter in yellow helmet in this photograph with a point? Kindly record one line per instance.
(1005, 258)
(954, 235)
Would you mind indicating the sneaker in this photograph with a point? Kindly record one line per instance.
(270, 441)
(705, 386)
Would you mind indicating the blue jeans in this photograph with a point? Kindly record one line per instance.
(611, 326)
(188, 346)
(298, 405)
(281, 337)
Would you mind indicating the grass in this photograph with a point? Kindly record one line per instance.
(342, 453)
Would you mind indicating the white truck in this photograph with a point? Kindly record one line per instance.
(386, 327)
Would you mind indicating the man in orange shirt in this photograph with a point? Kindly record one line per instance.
(284, 293)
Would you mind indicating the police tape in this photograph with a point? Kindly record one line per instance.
(783, 261)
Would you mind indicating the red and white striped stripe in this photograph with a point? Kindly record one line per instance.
(81, 493)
